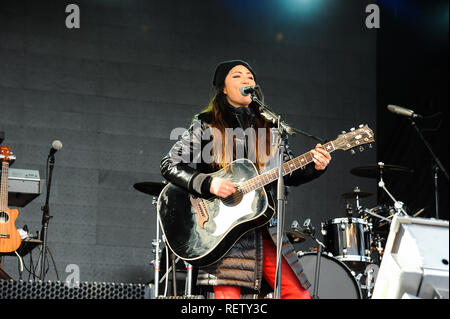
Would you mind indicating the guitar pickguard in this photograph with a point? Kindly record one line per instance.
(228, 215)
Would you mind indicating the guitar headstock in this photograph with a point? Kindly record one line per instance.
(354, 138)
(6, 154)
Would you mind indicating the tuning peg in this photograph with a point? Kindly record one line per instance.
(370, 145)
(361, 125)
(343, 132)
(361, 149)
(352, 152)
(352, 129)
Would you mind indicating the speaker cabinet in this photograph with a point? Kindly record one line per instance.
(11, 289)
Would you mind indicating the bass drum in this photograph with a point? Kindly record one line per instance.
(335, 279)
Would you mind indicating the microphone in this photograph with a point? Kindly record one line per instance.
(56, 146)
(247, 90)
(403, 111)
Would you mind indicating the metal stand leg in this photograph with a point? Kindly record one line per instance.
(174, 274)
(188, 285)
(317, 273)
(157, 251)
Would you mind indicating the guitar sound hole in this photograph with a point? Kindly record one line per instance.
(4, 218)
(233, 199)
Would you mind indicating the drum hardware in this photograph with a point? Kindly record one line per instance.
(157, 251)
(367, 278)
(356, 194)
(370, 212)
(296, 235)
(309, 230)
(420, 211)
(397, 205)
(154, 188)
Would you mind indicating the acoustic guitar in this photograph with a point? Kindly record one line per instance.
(9, 236)
(201, 230)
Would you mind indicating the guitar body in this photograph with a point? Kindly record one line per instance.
(203, 243)
(9, 236)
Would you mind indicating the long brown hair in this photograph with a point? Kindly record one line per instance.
(222, 152)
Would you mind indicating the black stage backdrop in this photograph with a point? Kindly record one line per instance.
(113, 90)
(412, 71)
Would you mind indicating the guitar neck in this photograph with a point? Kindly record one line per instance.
(4, 187)
(288, 167)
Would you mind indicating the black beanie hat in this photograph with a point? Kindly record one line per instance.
(223, 68)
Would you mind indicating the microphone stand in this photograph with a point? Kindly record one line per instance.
(279, 133)
(46, 217)
(438, 165)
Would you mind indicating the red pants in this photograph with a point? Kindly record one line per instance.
(290, 286)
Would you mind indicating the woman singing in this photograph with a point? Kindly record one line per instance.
(252, 258)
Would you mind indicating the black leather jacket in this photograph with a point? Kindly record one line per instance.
(184, 167)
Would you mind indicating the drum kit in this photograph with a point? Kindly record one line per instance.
(352, 247)
(353, 244)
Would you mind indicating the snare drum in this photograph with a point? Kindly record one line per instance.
(348, 239)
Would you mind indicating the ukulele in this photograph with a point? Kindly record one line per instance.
(9, 236)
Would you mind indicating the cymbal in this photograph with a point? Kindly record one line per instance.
(295, 237)
(356, 193)
(373, 171)
(150, 188)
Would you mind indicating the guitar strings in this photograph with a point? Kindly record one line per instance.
(230, 199)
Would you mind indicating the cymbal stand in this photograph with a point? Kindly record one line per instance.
(369, 211)
(157, 251)
(397, 205)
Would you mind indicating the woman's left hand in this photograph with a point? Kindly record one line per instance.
(321, 157)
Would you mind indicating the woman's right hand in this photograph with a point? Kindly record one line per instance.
(221, 187)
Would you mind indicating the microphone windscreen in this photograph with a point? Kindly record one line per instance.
(57, 145)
